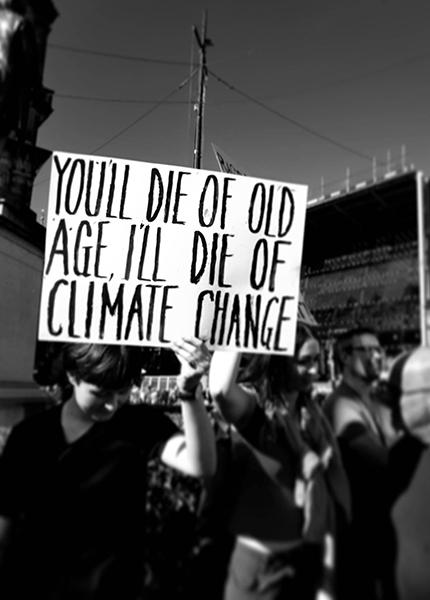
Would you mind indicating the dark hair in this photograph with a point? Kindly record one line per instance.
(107, 366)
(351, 333)
(274, 376)
(344, 343)
(303, 334)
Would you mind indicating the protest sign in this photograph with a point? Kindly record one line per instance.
(141, 254)
(228, 165)
(304, 315)
(225, 163)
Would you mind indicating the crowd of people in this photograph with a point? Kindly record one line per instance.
(300, 489)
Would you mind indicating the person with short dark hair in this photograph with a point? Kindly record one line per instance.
(73, 478)
(379, 458)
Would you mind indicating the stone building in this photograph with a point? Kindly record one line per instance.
(24, 105)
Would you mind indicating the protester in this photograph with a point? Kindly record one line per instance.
(380, 459)
(286, 482)
(72, 499)
(409, 386)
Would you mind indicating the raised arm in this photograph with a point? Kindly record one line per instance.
(193, 453)
(235, 402)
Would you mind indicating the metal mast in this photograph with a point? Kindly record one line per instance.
(203, 43)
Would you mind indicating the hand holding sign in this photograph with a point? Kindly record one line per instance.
(195, 360)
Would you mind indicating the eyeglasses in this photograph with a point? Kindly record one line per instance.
(307, 361)
(367, 349)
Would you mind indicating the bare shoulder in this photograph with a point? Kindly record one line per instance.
(239, 407)
(342, 410)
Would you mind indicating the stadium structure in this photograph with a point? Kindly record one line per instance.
(365, 263)
(366, 260)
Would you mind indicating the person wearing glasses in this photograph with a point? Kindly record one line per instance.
(287, 484)
(380, 459)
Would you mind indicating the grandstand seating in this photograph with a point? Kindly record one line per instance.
(374, 287)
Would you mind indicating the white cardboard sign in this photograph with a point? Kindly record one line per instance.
(228, 165)
(141, 254)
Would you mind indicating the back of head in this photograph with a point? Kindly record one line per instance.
(409, 380)
(273, 376)
(107, 366)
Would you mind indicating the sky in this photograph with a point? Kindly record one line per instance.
(300, 91)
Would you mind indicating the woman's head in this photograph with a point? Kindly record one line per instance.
(278, 378)
(274, 376)
(307, 355)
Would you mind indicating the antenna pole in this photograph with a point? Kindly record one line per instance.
(202, 42)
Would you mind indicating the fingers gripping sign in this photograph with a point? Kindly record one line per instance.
(194, 452)
(195, 359)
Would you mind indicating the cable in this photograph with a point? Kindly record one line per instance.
(292, 121)
(117, 100)
(345, 80)
(147, 112)
(117, 135)
(191, 108)
(328, 85)
(157, 61)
